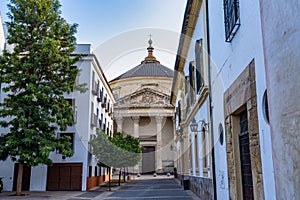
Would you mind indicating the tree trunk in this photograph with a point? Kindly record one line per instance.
(19, 180)
(109, 186)
(120, 173)
(124, 175)
(127, 173)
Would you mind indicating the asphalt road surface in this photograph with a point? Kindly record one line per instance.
(166, 189)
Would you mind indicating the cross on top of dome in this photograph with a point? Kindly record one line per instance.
(150, 58)
(150, 40)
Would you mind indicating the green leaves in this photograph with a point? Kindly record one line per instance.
(36, 75)
(119, 151)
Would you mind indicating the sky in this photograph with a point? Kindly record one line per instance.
(119, 29)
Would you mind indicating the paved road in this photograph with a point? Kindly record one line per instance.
(146, 187)
(166, 189)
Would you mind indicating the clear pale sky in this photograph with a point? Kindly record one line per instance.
(119, 29)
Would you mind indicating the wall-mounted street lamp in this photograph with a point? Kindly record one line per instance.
(179, 132)
(173, 148)
(194, 126)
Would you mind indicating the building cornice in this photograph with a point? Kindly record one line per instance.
(99, 70)
(188, 27)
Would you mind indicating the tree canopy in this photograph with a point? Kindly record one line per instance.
(35, 75)
(118, 151)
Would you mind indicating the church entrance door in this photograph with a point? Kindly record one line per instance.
(148, 160)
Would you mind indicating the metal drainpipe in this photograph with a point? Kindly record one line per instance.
(210, 104)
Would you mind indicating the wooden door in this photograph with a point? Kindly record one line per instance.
(64, 177)
(246, 171)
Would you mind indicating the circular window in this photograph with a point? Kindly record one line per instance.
(116, 96)
(221, 134)
(265, 106)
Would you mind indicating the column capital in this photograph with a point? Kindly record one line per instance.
(135, 118)
(173, 118)
(159, 119)
(119, 119)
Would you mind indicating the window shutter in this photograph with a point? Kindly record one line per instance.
(179, 112)
(198, 57)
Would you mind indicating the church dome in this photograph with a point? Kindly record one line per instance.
(149, 67)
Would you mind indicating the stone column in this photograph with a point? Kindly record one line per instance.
(193, 153)
(136, 120)
(201, 154)
(185, 152)
(174, 144)
(159, 120)
(119, 121)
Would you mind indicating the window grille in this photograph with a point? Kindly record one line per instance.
(231, 18)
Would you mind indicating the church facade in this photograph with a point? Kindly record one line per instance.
(143, 110)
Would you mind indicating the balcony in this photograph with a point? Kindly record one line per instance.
(104, 102)
(107, 107)
(110, 112)
(94, 88)
(99, 96)
(104, 127)
(94, 120)
(99, 125)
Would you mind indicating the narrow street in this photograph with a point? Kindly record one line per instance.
(152, 188)
(145, 187)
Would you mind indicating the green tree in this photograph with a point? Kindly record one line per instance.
(35, 76)
(107, 153)
(132, 150)
(118, 151)
(131, 146)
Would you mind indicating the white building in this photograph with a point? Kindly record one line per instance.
(281, 33)
(93, 111)
(2, 35)
(143, 110)
(221, 86)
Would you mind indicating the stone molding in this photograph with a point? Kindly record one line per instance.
(144, 98)
(135, 119)
(241, 95)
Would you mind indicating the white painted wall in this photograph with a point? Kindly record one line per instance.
(281, 30)
(2, 35)
(7, 172)
(38, 178)
(228, 61)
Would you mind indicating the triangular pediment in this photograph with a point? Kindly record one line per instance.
(144, 98)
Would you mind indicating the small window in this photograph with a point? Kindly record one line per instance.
(221, 134)
(90, 171)
(179, 111)
(71, 102)
(199, 65)
(192, 76)
(187, 92)
(96, 171)
(266, 107)
(231, 18)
